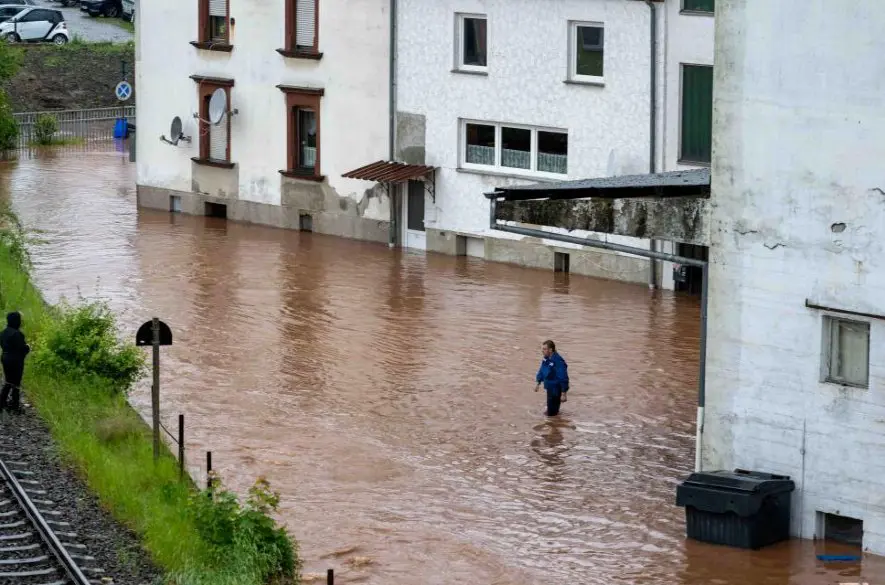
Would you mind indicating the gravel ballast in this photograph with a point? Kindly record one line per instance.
(116, 549)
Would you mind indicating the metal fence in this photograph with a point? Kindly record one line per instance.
(93, 125)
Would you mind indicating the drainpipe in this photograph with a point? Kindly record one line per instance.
(652, 255)
(392, 187)
(653, 121)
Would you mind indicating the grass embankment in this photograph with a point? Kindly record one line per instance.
(76, 377)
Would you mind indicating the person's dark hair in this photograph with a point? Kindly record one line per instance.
(550, 344)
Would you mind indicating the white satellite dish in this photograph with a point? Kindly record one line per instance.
(175, 132)
(217, 106)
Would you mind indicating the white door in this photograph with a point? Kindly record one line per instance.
(414, 235)
(35, 25)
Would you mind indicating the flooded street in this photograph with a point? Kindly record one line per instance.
(388, 395)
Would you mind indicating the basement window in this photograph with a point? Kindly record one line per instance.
(216, 210)
(846, 352)
(841, 529)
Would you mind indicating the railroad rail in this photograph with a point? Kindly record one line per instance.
(35, 550)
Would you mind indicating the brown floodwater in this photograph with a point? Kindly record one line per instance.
(388, 395)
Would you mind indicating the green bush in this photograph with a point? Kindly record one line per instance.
(8, 125)
(245, 535)
(45, 128)
(82, 341)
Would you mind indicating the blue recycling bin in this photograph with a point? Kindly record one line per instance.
(121, 128)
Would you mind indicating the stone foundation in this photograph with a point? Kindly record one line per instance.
(306, 211)
(532, 253)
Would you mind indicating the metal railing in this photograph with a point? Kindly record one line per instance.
(91, 125)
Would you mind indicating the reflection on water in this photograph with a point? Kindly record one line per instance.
(388, 395)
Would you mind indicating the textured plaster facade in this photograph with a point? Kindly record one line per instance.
(798, 214)
(608, 125)
(353, 113)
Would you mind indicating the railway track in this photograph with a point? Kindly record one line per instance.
(36, 546)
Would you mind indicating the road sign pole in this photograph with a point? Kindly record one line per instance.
(155, 389)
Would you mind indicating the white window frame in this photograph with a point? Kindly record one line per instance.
(830, 351)
(498, 167)
(460, 17)
(573, 53)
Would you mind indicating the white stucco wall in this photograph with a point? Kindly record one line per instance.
(688, 39)
(354, 40)
(798, 147)
(608, 126)
(528, 60)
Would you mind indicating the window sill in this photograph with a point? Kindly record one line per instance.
(209, 162)
(210, 46)
(300, 54)
(846, 385)
(697, 13)
(470, 72)
(693, 163)
(590, 82)
(541, 178)
(303, 175)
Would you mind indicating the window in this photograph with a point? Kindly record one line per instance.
(707, 6)
(214, 33)
(846, 352)
(472, 39)
(303, 135)
(697, 114)
(302, 29)
(214, 138)
(508, 148)
(587, 55)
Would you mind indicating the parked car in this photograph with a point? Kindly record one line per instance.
(36, 25)
(7, 11)
(68, 2)
(129, 10)
(109, 8)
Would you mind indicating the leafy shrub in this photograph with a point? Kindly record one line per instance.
(82, 340)
(8, 125)
(246, 535)
(13, 237)
(45, 128)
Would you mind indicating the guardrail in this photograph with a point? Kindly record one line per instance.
(75, 126)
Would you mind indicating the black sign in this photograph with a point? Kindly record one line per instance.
(145, 335)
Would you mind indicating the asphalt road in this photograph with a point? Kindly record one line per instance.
(91, 29)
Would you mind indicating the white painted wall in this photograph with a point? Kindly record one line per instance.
(528, 53)
(688, 39)
(528, 61)
(354, 39)
(798, 147)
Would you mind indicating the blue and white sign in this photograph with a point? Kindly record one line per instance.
(123, 91)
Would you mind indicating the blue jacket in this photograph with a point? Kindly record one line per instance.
(554, 373)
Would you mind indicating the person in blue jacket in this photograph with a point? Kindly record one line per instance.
(553, 373)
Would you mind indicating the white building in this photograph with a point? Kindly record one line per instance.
(501, 92)
(566, 86)
(796, 349)
(307, 86)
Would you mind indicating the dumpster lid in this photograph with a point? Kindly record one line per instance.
(742, 480)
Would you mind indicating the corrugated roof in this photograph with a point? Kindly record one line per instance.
(695, 182)
(389, 172)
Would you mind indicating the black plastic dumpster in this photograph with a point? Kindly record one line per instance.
(740, 508)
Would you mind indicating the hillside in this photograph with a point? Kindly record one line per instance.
(74, 76)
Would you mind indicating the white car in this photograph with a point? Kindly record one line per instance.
(36, 25)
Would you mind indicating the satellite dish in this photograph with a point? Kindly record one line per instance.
(175, 131)
(217, 105)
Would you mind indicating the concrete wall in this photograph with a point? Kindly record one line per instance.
(608, 125)
(354, 40)
(797, 153)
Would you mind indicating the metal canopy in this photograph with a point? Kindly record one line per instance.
(390, 172)
(671, 184)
